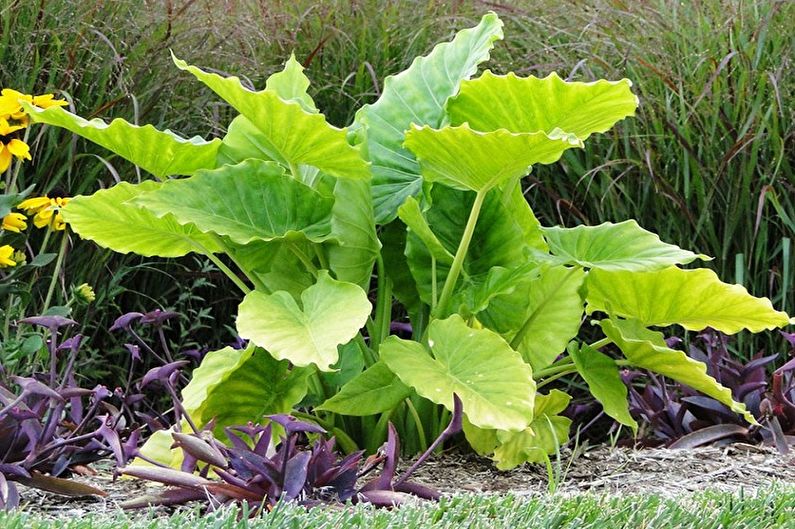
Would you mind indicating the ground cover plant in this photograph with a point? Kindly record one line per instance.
(424, 189)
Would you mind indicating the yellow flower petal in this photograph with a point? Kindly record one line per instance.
(6, 128)
(34, 205)
(5, 157)
(14, 222)
(42, 218)
(58, 223)
(47, 101)
(6, 256)
(19, 148)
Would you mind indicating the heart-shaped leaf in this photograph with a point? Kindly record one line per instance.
(530, 104)
(375, 390)
(253, 200)
(647, 349)
(290, 135)
(161, 153)
(418, 95)
(109, 219)
(694, 299)
(622, 246)
(331, 314)
(495, 386)
(467, 159)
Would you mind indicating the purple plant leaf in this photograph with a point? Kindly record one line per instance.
(390, 451)
(789, 336)
(111, 437)
(72, 344)
(130, 445)
(158, 317)
(166, 476)
(386, 498)
(134, 350)
(162, 373)
(199, 448)
(9, 496)
(295, 475)
(12, 470)
(50, 322)
(292, 425)
(176, 496)
(421, 491)
(34, 387)
(125, 321)
(708, 435)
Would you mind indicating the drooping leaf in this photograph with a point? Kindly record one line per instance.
(543, 437)
(418, 96)
(375, 390)
(161, 153)
(331, 314)
(541, 316)
(694, 299)
(622, 246)
(495, 386)
(482, 440)
(411, 215)
(647, 349)
(110, 219)
(530, 104)
(353, 226)
(253, 200)
(290, 135)
(601, 374)
(467, 159)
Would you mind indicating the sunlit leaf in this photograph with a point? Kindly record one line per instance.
(109, 219)
(418, 96)
(694, 299)
(161, 153)
(495, 386)
(375, 390)
(331, 313)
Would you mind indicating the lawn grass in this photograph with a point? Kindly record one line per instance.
(705, 510)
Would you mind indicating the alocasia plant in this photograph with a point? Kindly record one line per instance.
(424, 187)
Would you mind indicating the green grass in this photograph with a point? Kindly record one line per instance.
(772, 508)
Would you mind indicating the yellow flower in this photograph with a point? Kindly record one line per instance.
(15, 147)
(85, 293)
(9, 102)
(6, 256)
(14, 222)
(47, 211)
(6, 128)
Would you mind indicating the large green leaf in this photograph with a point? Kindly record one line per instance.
(541, 315)
(543, 437)
(418, 96)
(109, 219)
(331, 314)
(290, 134)
(530, 104)
(495, 386)
(375, 390)
(161, 153)
(694, 299)
(506, 229)
(647, 349)
(477, 293)
(622, 246)
(467, 159)
(276, 263)
(353, 227)
(291, 84)
(234, 386)
(601, 374)
(411, 215)
(253, 200)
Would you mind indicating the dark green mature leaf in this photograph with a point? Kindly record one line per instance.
(290, 135)
(601, 374)
(647, 349)
(375, 390)
(161, 153)
(529, 104)
(622, 246)
(331, 314)
(110, 219)
(495, 386)
(253, 200)
(418, 96)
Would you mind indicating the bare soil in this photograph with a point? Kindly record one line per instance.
(603, 470)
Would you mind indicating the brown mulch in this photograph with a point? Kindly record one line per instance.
(603, 470)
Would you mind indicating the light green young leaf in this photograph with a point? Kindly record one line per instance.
(483, 441)
(290, 135)
(601, 374)
(647, 349)
(418, 96)
(332, 313)
(530, 104)
(467, 159)
(495, 386)
(542, 438)
(161, 153)
(291, 84)
(412, 216)
(375, 390)
(694, 299)
(109, 219)
(253, 200)
(353, 226)
(478, 292)
(622, 246)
